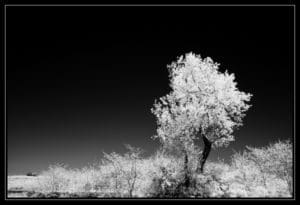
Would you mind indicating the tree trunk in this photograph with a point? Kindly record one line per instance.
(205, 153)
(186, 170)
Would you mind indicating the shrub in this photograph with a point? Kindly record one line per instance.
(255, 172)
(266, 171)
(123, 170)
(55, 179)
(168, 178)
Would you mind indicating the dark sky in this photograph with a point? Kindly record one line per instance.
(82, 80)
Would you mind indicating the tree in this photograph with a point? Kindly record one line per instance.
(204, 103)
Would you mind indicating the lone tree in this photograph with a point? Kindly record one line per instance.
(204, 103)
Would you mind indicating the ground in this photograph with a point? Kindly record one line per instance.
(19, 185)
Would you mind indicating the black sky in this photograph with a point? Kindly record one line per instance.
(82, 80)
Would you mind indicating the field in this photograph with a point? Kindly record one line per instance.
(20, 185)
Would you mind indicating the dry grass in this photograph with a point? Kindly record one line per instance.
(22, 182)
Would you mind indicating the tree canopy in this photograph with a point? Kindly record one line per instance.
(203, 101)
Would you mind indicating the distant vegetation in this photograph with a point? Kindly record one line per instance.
(33, 174)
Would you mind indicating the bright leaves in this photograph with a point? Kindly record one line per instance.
(203, 100)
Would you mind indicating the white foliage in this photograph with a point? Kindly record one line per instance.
(202, 100)
(265, 171)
